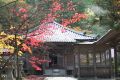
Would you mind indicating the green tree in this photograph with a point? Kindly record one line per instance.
(111, 19)
(16, 18)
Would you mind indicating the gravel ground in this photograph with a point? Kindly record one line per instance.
(59, 78)
(34, 77)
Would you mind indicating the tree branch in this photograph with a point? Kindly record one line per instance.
(8, 4)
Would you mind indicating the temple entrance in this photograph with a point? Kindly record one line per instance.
(54, 60)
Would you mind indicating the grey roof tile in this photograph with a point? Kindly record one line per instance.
(62, 34)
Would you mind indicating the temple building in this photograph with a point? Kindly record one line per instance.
(77, 54)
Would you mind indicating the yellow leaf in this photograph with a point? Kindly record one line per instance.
(2, 33)
(20, 53)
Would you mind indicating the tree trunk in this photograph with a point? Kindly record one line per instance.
(9, 74)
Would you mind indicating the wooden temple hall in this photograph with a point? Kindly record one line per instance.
(77, 54)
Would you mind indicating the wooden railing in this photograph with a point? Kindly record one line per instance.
(98, 71)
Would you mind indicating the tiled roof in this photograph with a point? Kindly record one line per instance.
(62, 34)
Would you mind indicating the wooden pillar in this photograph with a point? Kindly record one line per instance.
(74, 73)
(110, 63)
(105, 57)
(64, 63)
(43, 65)
(78, 66)
(48, 58)
(63, 60)
(100, 57)
(87, 55)
(115, 58)
(94, 63)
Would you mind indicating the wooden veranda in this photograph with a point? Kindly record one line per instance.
(93, 61)
(112, 39)
(100, 58)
